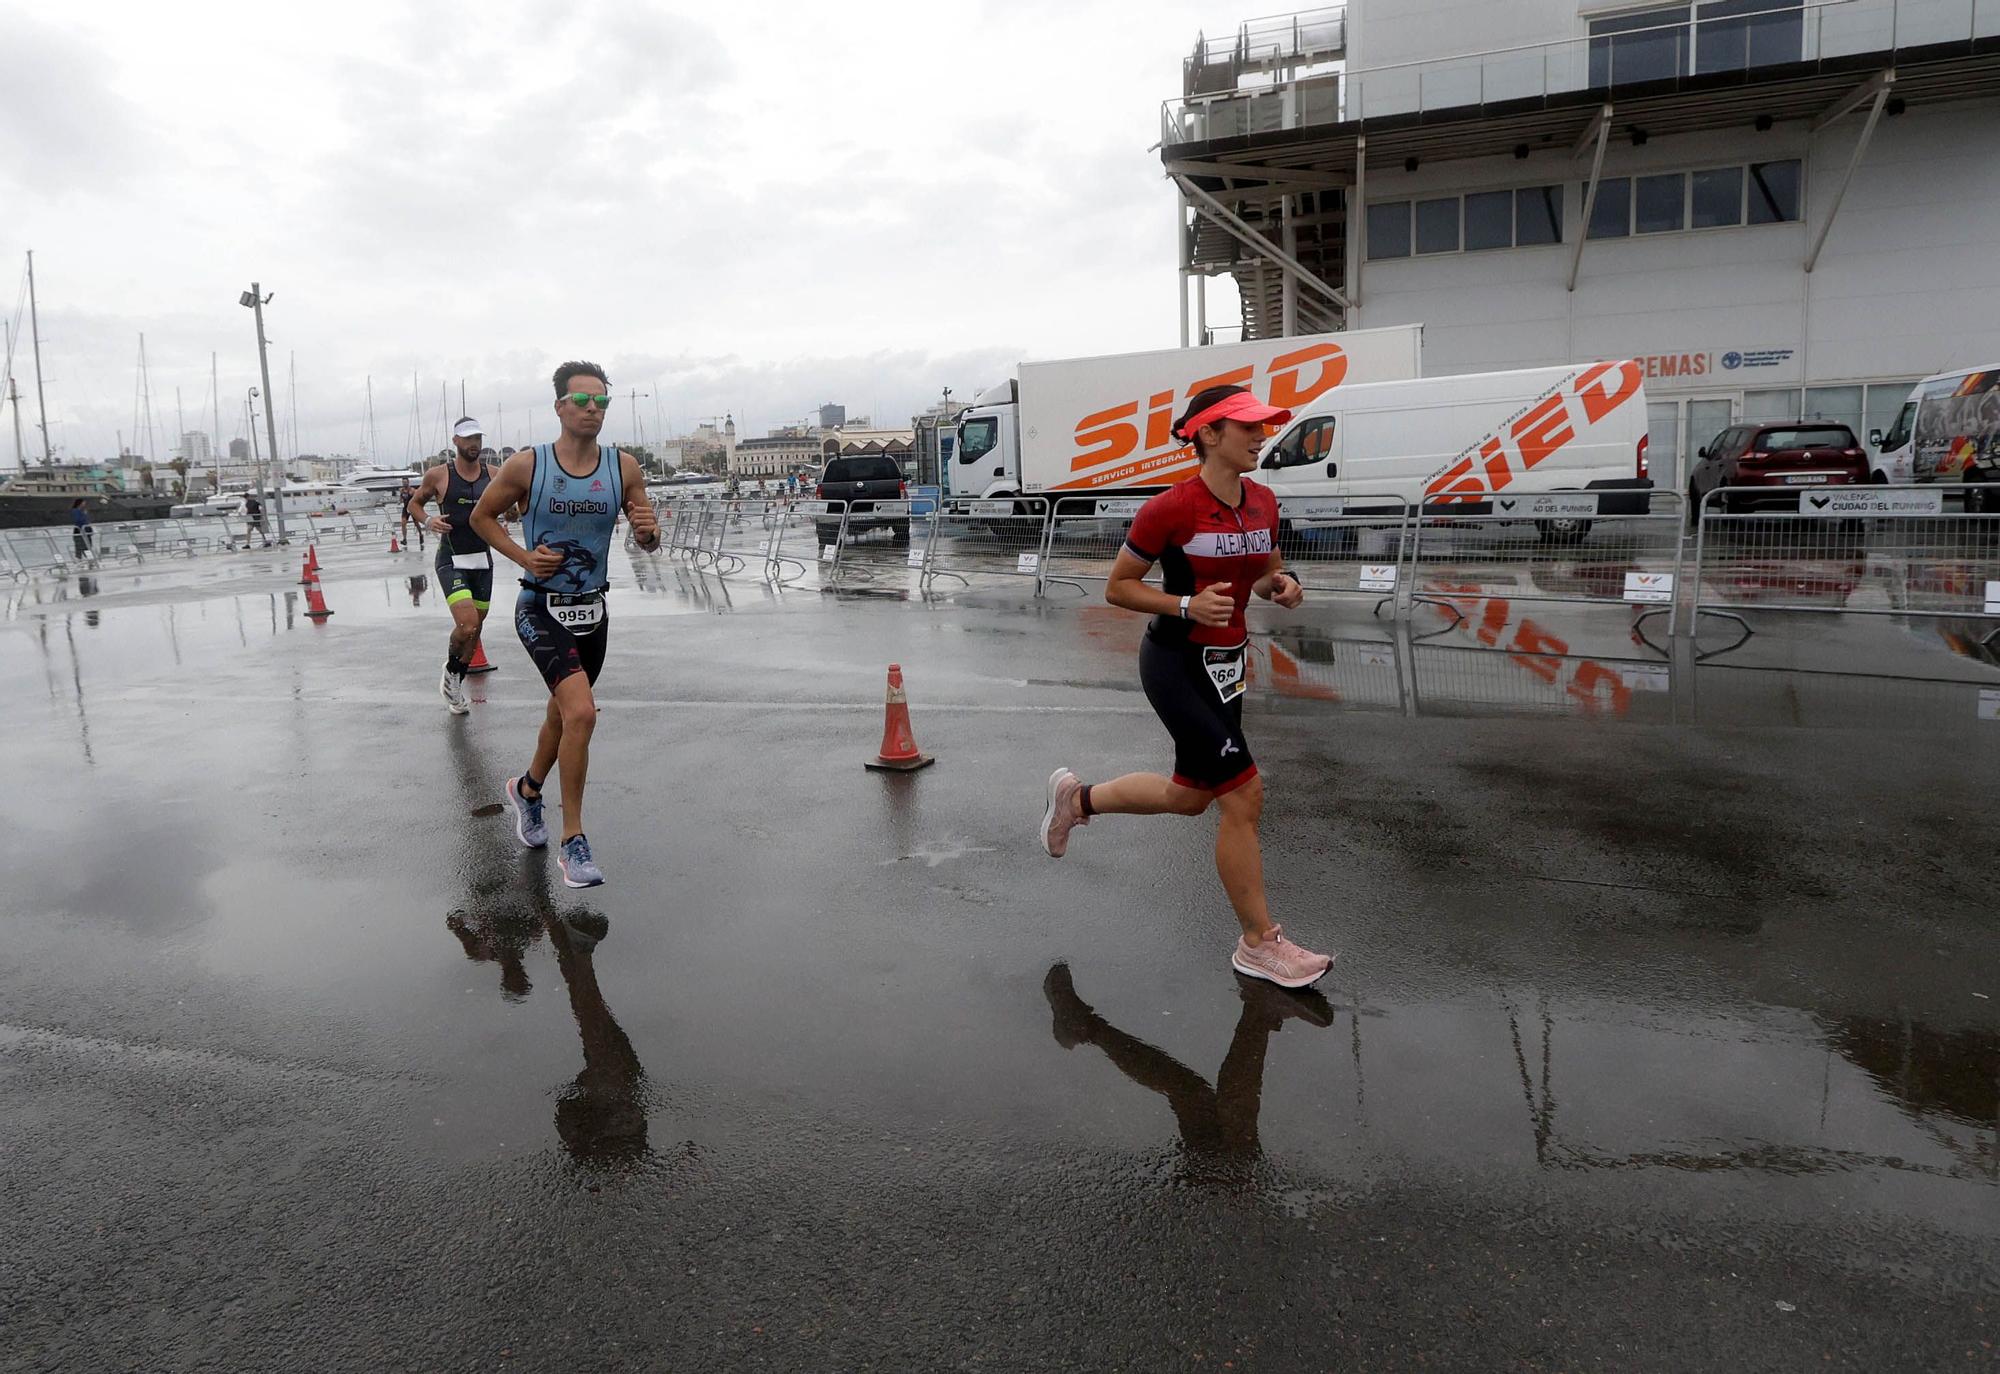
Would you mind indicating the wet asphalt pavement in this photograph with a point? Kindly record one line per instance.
(1665, 1033)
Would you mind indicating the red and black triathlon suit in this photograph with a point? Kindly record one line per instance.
(1194, 674)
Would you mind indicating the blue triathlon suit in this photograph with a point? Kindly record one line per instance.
(562, 619)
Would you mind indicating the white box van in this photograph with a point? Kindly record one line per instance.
(1472, 443)
(1948, 431)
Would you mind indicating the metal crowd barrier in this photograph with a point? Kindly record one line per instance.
(1084, 536)
(1928, 550)
(879, 543)
(972, 539)
(1557, 546)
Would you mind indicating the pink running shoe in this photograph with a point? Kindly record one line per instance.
(1064, 814)
(1278, 960)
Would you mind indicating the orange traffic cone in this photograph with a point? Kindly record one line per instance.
(394, 547)
(306, 574)
(899, 752)
(312, 557)
(479, 663)
(316, 607)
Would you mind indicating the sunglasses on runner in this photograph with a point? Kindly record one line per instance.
(584, 400)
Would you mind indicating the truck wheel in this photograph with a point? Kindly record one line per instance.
(1566, 531)
(899, 533)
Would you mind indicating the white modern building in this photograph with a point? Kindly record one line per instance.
(1785, 207)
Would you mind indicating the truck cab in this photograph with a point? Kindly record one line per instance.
(988, 457)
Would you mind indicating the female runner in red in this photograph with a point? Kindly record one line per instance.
(1215, 537)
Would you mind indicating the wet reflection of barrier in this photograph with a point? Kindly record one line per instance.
(986, 540)
(1558, 547)
(801, 540)
(1925, 550)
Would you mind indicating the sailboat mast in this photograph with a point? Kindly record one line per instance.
(14, 395)
(292, 396)
(215, 418)
(35, 332)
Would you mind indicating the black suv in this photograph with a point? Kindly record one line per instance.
(859, 481)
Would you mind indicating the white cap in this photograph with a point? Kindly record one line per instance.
(466, 429)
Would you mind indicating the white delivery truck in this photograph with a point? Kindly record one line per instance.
(1487, 443)
(1100, 426)
(1948, 431)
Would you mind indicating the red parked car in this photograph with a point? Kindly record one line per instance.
(1776, 459)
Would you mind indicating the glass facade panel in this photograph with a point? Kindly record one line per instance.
(1842, 403)
(1648, 46)
(1538, 215)
(1717, 198)
(1489, 220)
(1732, 35)
(1885, 400)
(1437, 226)
(1781, 403)
(1774, 192)
(1663, 443)
(1611, 216)
(1660, 203)
(1389, 230)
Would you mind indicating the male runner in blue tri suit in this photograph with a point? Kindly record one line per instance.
(574, 490)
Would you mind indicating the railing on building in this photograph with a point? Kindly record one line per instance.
(1828, 29)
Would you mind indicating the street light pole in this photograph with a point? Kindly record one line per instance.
(255, 300)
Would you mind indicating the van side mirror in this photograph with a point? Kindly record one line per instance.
(1701, 452)
(1875, 438)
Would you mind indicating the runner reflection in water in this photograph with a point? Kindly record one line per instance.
(1218, 1125)
(417, 585)
(601, 1116)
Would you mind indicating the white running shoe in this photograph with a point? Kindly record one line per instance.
(452, 688)
(1063, 814)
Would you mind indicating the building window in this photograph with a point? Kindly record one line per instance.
(1717, 198)
(1734, 35)
(1524, 217)
(1611, 215)
(1538, 215)
(1659, 203)
(1650, 45)
(1667, 41)
(1389, 230)
(1489, 220)
(1437, 226)
(1774, 192)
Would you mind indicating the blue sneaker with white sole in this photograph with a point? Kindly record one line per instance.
(578, 868)
(528, 825)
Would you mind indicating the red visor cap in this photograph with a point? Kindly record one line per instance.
(1240, 406)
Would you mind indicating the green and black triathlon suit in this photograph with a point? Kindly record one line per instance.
(464, 563)
(561, 618)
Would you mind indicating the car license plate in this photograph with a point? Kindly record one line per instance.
(1806, 479)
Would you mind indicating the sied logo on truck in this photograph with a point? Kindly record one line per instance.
(1115, 435)
(1543, 429)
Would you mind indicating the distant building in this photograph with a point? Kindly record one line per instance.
(239, 450)
(779, 453)
(832, 416)
(196, 448)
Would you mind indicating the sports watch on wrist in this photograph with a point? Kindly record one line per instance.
(1184, 606)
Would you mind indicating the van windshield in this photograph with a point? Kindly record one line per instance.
(977, 437)
(1899, 433)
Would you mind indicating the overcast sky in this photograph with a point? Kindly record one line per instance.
(757, 206)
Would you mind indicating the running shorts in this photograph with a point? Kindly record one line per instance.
(1210, 753)
(463, 584)
(557, 649)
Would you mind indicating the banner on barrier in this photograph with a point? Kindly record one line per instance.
(1126, 507)
(1028, 562)
(1993, 598)
(1552, 505)
(1860, 501)
(1989, 703)
(990, 508)
(1378, 577)
(1312, 507)
(813, 508)
(1641, 586)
